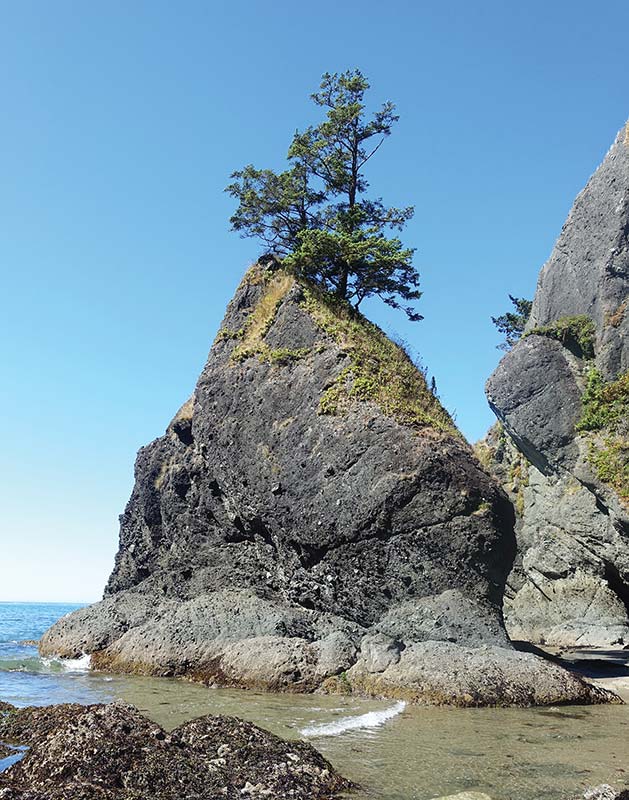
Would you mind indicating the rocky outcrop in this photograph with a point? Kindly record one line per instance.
(562, 397)
(604, 792)
(444, 673)
(312, 520)
(564, 589)
(588, 271)
(112, 752)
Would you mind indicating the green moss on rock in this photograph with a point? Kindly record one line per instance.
(605, 415)
(276, 287)
(284, 355)
(577, 333)
(380, 370)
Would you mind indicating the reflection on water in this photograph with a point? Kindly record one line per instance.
(16, 754)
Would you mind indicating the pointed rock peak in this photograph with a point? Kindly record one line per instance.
(312, 520)
(587, 274)
(279, 320)
(562, 394)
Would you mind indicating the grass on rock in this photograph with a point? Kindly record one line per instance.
(605, 415)
(577, 333)
(379, 370)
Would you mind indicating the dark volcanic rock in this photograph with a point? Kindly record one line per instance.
(570, 585)
(112, 752)
(310, 511)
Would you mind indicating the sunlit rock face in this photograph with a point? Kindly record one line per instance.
(562, 395)
(311, 517)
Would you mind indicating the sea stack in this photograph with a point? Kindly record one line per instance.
(562, 450)
(313, 520)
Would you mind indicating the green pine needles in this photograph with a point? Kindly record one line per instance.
(316, 216)
(512, 323)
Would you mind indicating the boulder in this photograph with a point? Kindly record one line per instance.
(112, 752)
(311, 513)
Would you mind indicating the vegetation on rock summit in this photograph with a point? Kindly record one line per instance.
(379, 370)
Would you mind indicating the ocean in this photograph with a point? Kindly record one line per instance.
(27, 679)
(394, 751)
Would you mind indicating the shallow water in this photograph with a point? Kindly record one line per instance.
(422, 753)
(394, 752)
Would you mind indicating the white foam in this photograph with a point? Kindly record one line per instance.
(81, 664)
(372, 719)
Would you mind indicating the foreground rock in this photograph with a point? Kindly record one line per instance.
(312, 520)
(562, 451)
(112, 752)
(604, 792)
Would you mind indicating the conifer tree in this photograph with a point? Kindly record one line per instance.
(512, 323)
(316, 215)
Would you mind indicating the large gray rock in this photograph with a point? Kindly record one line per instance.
(565, 587)
(443, 673)
(570, 584)
(538, 376)
(588, 271)
(269, 544)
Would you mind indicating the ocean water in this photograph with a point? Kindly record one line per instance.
(394, 751)
(27, 679)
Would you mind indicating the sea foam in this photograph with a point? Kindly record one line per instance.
(372, 719)
(81, 664)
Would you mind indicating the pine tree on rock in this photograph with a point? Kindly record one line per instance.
(316, 215)
(512, 324)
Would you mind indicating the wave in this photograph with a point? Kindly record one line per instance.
(33, 664)
(372, 719)
(45, 665)
(81, 664)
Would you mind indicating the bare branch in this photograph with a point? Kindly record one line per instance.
(373, 152)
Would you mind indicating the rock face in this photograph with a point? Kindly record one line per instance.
(588, 271)
(112, 752)
(561, 396)
(309, 519)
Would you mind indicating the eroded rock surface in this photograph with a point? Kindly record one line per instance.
(310, 516)
(112, 752)
(570, 584)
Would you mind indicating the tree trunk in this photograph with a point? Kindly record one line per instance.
(341, 289)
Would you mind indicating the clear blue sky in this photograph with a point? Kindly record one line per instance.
(121, 122)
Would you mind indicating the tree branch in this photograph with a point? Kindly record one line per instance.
(373, 152)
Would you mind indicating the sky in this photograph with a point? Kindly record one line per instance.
(121, 123)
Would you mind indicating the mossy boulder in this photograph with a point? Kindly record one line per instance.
(311, 505)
